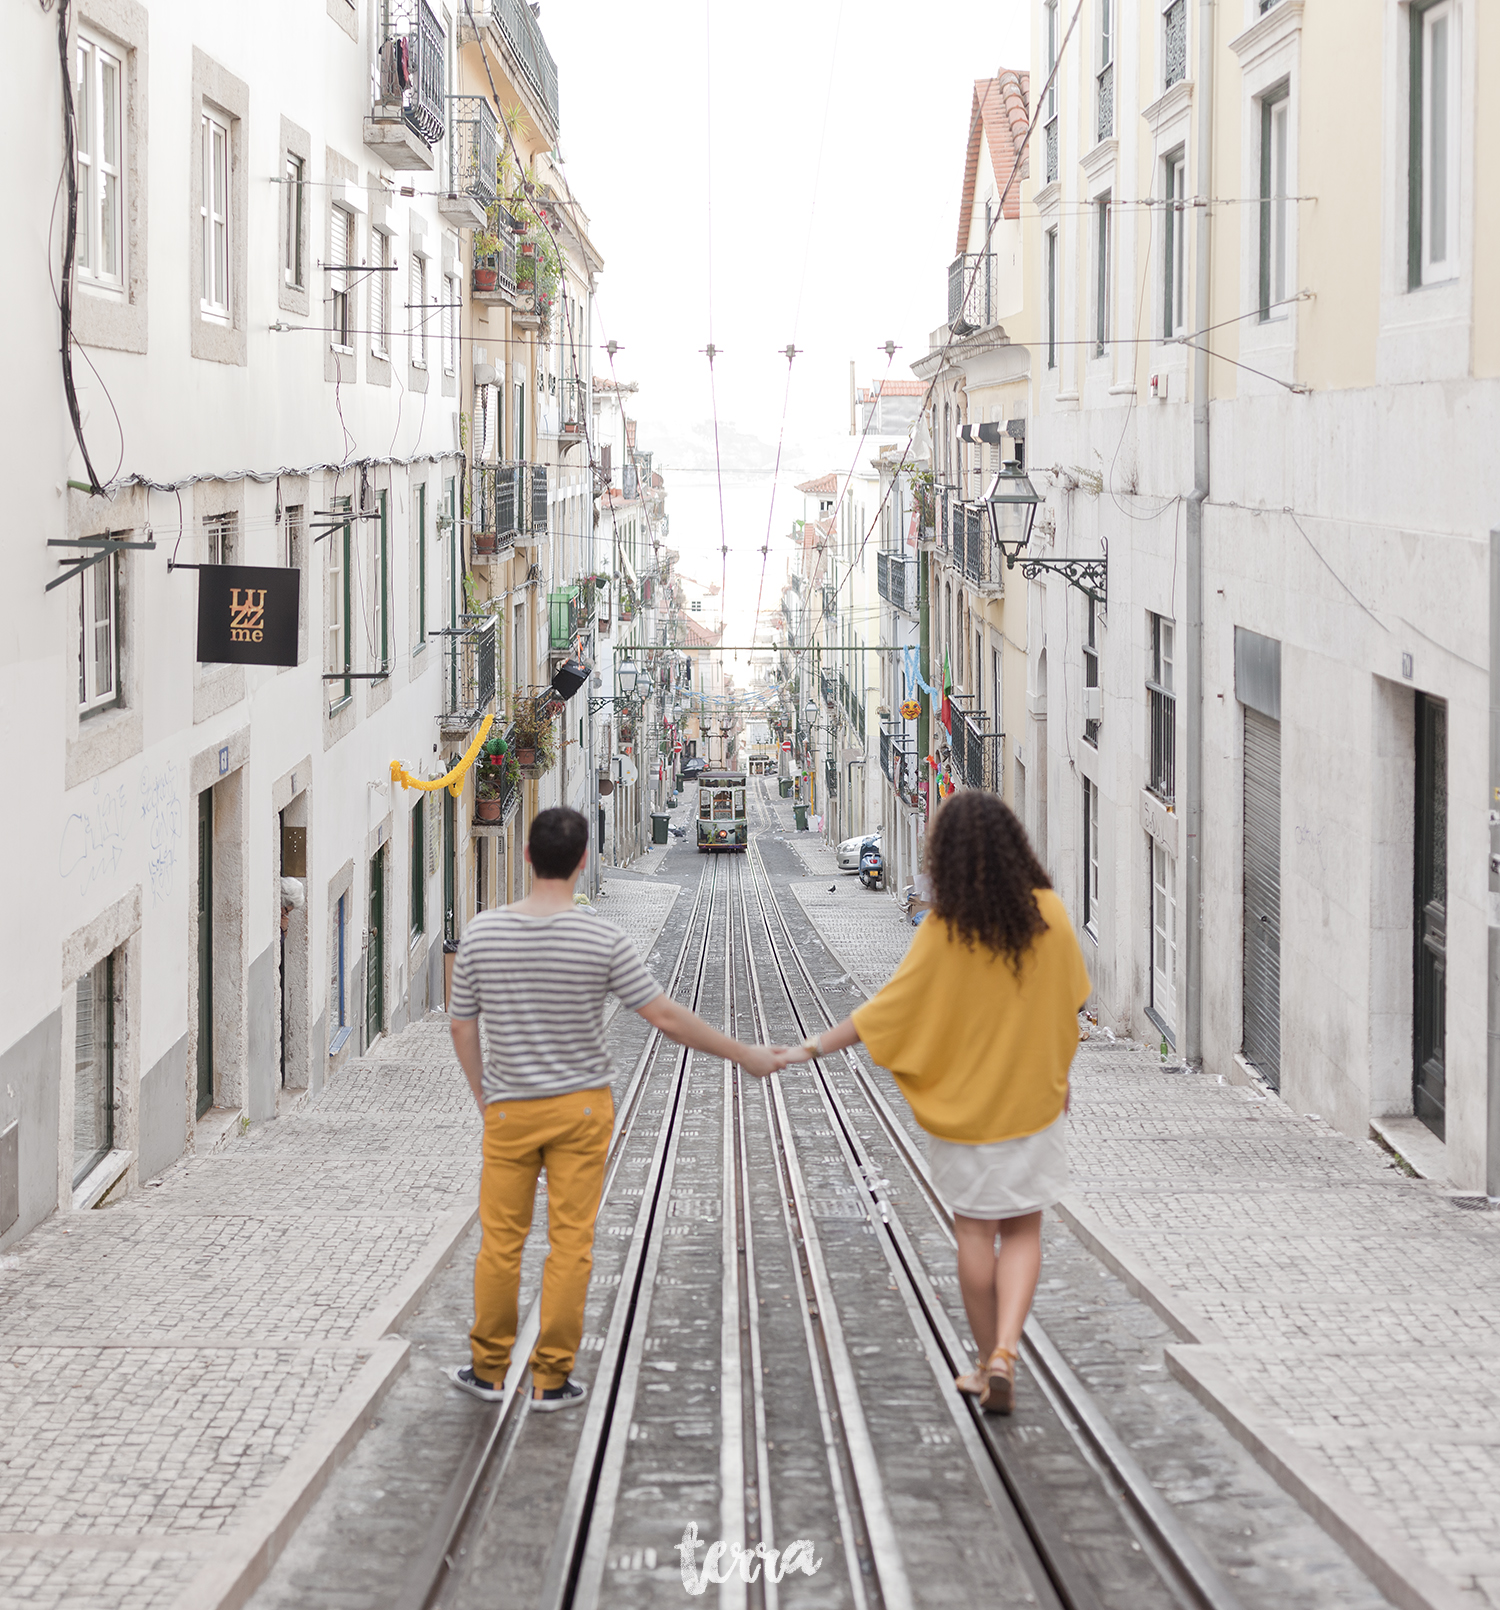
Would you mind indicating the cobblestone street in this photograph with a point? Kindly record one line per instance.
(1339, 1316)
(177, 1371)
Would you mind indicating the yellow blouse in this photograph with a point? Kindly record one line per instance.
(981, 1054)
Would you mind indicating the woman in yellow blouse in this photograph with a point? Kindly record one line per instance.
(978, 1025)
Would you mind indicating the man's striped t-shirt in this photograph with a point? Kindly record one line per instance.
(539, 983)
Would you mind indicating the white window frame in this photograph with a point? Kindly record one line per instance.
(220, 538)
(1103, 271)
(294, 266)
(1273, 255)
(1051, 247)
(380, 296)
(450, 324)
(1091, 858)
(215, 203)
(416, 317)
(95, 128)
(1174, 247)
(100, 583)
(1164, 933)
(1426, 268)
(340, 333)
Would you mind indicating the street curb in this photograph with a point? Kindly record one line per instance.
(1397, 1570)
(252, 1548)
(1184, 1319)
(402, 1299)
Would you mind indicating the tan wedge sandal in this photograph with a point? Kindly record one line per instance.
(999, 1394)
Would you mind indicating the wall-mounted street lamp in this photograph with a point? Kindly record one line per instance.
(1012, 501)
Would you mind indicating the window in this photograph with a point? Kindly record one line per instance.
(1102, 267)
(418, 868)
(383, 585)
(94, 1069)
(1105, 104)
(1163, 934)
(1274, 125)
(219, 533)
(1091, 693)
(1051, 298)
(450, 325)
(214, 211)
(340, 245)
(338, 1003)
(519, 420)
(1433, 157)
(295, 528)
(417, 312)
(98, 120)
(422, 563)
(295, 199)
(1174, 258)
(1051, 109)
(1091, 858)
(98, 644)
(1174, 42)
(380, 257)
(1161, 702)
(340, 543)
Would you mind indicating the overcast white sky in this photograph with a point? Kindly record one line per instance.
(819, 146)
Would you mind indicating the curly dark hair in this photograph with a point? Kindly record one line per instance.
(983, 873)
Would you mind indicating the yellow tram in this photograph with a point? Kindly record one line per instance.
(721, 811)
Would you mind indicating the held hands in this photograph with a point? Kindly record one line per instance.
(763, 1060)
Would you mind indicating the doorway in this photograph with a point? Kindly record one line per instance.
(375, 955)
(1262, 909)
(1429, 982)
(205, 951)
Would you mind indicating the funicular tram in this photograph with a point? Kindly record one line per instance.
(721, 811)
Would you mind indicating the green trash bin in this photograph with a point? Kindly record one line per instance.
(659, 820)
(786, 788)
(799, 813)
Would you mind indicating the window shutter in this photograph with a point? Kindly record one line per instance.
(339, 247)
(414, 298)
(377, 292)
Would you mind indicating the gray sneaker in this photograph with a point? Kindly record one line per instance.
(559, 1397)
(464, 1378)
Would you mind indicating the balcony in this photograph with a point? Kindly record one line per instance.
(407, 118)
(507, 504)
(974, 553)
(506, 793)
(468, 673)
(494, 277)
(1163, 712)
(473, 150)
(521, 33)
(896, 581)
(898, 762)
(971, 292)
(570, 609)
(977, 754)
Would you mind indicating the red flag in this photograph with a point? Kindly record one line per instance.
(945, 715)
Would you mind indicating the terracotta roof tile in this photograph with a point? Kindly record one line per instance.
(824, 483)
(999, 112)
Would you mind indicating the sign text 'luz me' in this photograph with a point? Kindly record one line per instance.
(247, 614)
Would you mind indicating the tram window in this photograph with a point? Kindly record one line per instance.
(705, 804)
(739, 802)
(724, 805)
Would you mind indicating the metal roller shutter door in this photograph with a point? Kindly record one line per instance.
(1262, 1029)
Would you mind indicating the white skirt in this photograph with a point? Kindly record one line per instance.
(1001, 1179)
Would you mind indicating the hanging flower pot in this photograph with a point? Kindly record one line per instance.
(525, 757)
(487, 810)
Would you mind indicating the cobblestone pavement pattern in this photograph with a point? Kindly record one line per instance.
(163, 1359)
(1352, 1308)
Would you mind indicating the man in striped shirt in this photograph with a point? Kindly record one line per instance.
(538, 973)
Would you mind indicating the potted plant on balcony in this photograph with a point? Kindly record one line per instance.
(486, 256)
(535, 737)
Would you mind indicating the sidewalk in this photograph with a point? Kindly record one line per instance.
(1337, 1315)
(180, 1373)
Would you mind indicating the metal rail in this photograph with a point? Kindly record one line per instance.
(1187, 1570)
(437, 1571)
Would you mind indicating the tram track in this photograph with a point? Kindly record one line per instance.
(810, 1211)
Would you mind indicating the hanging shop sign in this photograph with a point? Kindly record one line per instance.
(247, 614)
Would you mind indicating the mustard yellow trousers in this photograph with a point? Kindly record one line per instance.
(569, 1137)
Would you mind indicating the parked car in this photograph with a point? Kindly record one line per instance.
(851, 850)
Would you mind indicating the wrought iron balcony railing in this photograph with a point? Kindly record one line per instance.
(506, 502)
(518, 26)
(896, 580)
(1105, 108)
(409, 67)
(976, 753)
(473, 148)
(971, 291)
(973, 551)
(898, 762)
(469, 656)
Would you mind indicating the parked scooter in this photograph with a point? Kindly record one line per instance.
(872, 867)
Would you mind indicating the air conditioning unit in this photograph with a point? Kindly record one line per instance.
(1093, 704)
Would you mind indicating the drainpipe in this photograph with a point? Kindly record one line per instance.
(1193, 774)
(1492, 1147)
